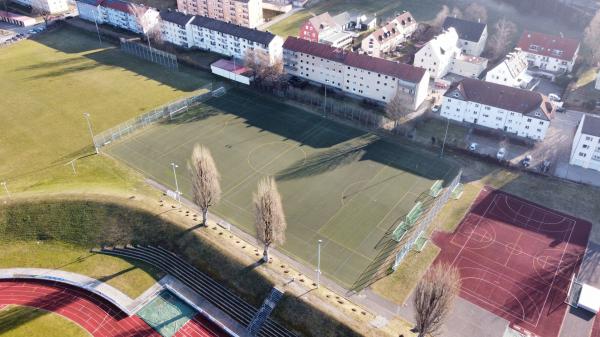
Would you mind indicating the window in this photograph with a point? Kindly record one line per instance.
(581, 154)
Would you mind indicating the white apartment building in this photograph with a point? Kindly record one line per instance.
(48, 6)
(356, 74)
(472, 36)
(89, 10)
(549, 52)
(436, 55)
(514, 111)
(247, 13)
(232, 40)
(512, 71)
(175, 28)
(117, 13)
(388, 37)
(585, 151)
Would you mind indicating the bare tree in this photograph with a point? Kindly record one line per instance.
(399, 107)
(438, 21)
(266, 72)
(38, 9)
(476, 12)
(434, 298)
(269, 217)
(146, 21)
(501, 39)
(206, 190)
(591, 37)
(456, 13)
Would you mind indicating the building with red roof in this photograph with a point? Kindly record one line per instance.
(122, 14)
(357, 74)
(549, 52)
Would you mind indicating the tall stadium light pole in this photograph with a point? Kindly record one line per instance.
(319, 263)
(175, 166)
(6, 189)
(97, 30)
(445, 136)
(87, 118)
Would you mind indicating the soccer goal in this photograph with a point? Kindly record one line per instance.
(220, 91)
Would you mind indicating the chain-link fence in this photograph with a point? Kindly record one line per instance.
(166, 111)
(392, 253)
(148, 53)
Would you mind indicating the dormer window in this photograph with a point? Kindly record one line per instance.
(456, 95)
(534, 47)
(537, 114)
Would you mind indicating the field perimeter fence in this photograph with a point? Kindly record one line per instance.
(166, 111)
(148, 53)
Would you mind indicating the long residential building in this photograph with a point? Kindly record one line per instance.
(388, 37)
(585, 151)
(48, 6)
(549, 52)
(247, 13)
(514, 111)
(121, 14)
(356, 74)
(189, 31)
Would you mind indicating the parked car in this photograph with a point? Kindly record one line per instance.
(526, 162)
(473, 147)
(561, 109)
(501, 153)
(554, 97)
(436, 108)
(545, 166)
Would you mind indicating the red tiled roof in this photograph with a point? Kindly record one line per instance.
(547, 45)
(402, 71)
(390, 29)
(119, 5)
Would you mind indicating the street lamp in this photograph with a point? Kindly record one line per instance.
(319, 263)
(87, 118)
(445, 136)
(6, 189)
(174, 166)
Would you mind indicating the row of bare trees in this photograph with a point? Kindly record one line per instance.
(269, 218)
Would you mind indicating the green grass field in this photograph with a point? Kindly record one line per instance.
(49, 82)
(18, 321)
(339, 184)
(422, 10)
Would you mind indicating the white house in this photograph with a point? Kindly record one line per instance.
(515, 111)
(437, 54)
(175, 28)
(585, 151)
(472, 36)
(233, 40)
(468, 65)
(356, 74)
(90, 10)
(512, 71)
(549, 52)
(49, 6)
(388, 37)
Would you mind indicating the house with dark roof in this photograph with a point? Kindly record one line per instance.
(233, 40)
(514, 111)
(556, 54)
(390, 35)
(472, 36)
(585, 151)
(356, 74)
(175, 28)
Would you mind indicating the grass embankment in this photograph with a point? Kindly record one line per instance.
(38, 323)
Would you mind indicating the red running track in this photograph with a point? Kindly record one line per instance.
(516, 259)
(596, 327)
(93, 313)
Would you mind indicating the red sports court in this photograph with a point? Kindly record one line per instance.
(516, 259)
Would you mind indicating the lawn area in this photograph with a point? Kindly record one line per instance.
(131, 277)
(50, 81)
(344, 186)
(422, 10)
(19, 321)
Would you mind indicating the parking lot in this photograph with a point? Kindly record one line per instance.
(15, 33)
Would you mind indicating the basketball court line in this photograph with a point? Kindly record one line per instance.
(543, 210)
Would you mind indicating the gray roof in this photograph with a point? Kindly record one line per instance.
(176, 17)
(591, 126)
(234, 30)
(467, 30)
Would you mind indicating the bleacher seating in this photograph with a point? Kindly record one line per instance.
(265, 310)
(215, 293)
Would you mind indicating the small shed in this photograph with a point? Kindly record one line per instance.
(232, 70)
(589, 298)
(17, 19)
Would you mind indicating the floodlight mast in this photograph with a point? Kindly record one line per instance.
(174, 166)
(89, 124)
(6, 189)
(319, 262)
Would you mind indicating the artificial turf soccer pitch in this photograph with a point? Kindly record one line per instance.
(339, 184)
